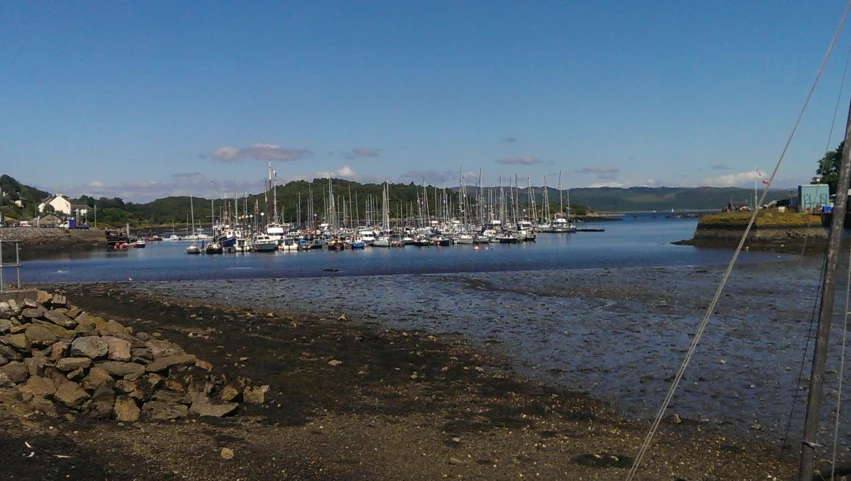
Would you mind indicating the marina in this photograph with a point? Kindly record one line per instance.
(639, 242)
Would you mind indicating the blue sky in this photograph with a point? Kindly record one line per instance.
(143, 100)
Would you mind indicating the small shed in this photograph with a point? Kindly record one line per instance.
(49, 221)
(813, 196)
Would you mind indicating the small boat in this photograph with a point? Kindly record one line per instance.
(226, 239)
(140, 243)
(265, 243)
(367, 236)
(213, 248)
(422, 241)
(464, 239)
(439, 240)
(193, 249)
(482, 238)
(336, 245)
(381, 241)
(288, 244)
(560, 225)
(505, 238)
(357, 243)
(242, 245)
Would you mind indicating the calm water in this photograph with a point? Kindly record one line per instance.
(641, 242)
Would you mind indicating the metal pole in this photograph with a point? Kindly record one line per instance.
(809, 439)
(18, 264)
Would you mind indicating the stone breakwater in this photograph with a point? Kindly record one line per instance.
(760, 237)
(37, 242)
(64, 361)
(32, 235)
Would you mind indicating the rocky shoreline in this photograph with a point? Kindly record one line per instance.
(345, 401)
(52, 350)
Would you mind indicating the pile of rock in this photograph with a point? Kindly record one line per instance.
(60, 358)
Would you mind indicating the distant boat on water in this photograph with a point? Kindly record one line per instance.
(213, 248)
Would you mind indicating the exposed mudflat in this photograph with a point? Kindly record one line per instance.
(616, 334)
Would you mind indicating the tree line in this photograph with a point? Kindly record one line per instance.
(293, 203)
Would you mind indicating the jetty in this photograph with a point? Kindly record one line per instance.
(774, 229)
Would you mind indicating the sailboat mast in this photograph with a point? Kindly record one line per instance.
(809, 440)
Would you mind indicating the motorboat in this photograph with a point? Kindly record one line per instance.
(265, 243)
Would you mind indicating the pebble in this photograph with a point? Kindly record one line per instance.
(227, 453)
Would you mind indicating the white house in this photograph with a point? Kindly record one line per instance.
(79, 210)
(55, 203)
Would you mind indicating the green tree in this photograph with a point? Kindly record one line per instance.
(828, 168)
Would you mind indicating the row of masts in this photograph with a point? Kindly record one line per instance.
(509, 203)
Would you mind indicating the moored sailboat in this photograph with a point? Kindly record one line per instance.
(192, 248)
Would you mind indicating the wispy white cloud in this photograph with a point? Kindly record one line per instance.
(602, 172)
(521, 160)
(629, 183)
(342, 172)
(260, 152)
(430, 177)
(470, 177)
(597, 169)
(188, 176)
(366, 152)
(178, 185)
(740, 179)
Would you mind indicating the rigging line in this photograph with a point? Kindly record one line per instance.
(841, 370)
(838, 98)
(802, 368)
(705, 321)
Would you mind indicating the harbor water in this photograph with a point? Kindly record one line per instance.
(608, 313)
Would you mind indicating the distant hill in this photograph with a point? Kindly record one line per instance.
(615, 199)
(612, 199)
(363, 201)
